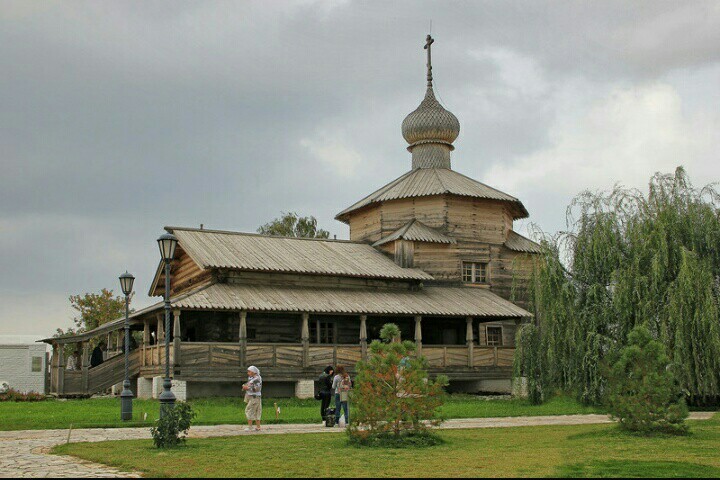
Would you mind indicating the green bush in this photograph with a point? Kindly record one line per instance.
(395, 402)
(172, 427)
(410, 439)
(644, 395)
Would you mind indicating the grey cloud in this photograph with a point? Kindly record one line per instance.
(118, 118)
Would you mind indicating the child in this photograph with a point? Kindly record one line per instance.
(253, 398)
(341, 386)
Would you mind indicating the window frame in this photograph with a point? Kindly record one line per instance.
(473, 274)
(487, 336)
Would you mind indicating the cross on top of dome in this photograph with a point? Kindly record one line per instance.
(430, 129)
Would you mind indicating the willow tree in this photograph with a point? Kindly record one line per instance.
(629, 259)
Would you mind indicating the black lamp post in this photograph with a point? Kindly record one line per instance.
(167, 244)
(126, 397)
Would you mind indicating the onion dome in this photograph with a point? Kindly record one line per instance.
(430, 123)
(430, 129)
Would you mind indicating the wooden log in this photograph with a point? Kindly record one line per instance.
(177, 361)
(305, 337)
(469, 336)
(243, 338)
(363, 337)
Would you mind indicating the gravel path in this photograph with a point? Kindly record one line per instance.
(25, 453)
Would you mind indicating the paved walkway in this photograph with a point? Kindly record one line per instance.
(25, 453)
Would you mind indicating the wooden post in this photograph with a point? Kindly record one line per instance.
(363, 336)
(418, 334)
(146, 340)
(54, 369)
(469, 338)
(108, 347)
(176, 338)
(61, 370)
(305, 337)
(119, 342)
(243, 338)
(160, 337)
(85, 366)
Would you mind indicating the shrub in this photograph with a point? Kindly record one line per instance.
(644, 395)
(395, 403)
(173, 425)
(12, 395)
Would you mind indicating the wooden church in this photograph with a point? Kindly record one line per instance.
(433, 251)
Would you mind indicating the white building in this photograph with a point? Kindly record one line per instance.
(23, 367)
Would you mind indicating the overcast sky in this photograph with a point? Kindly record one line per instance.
(117, 118)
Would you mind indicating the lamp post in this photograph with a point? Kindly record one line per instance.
(126, 397)
(167, 244)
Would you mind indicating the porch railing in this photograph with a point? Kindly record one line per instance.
(228, 355)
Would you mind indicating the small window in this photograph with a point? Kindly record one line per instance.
(37, 364)
(494, 336)
(475, 272)
(322, 332)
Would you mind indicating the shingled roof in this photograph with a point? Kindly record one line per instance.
(416, 231)
(518, 243)
(422, 182)
(453, 301)
(253, 252)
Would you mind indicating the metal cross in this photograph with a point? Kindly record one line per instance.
(428, 42)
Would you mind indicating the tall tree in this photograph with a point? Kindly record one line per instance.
(629, 259)
(94, 309)
(292, 225)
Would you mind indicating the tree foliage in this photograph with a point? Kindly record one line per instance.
(629, 259)
(292, 225)
(394, 397)
(94, 309)
(643, 393)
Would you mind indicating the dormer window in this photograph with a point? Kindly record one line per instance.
(475, 272)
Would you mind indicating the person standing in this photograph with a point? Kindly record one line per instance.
(73, 362)
(253, 398)
(341, 386)
(326, 391)
(97, 356)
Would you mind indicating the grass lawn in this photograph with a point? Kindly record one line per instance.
(105, 412)
(565, 451)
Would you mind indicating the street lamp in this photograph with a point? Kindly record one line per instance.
(126, 397)
(167, 244)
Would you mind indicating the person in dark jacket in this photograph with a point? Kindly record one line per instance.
(326, 394)
(97, 355)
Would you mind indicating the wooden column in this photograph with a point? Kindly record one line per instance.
(363, 336)
(418, 334)
(54, 369)
(305, 337)
(470, 339)
(243, 339)
(61, 369)
(160, 340)
(146, 340)
(118, 342)
(176, 338)
(108, 345)
(85, 365)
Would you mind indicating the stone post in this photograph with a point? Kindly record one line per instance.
(470, 339)
(305, 337)
(363, 336)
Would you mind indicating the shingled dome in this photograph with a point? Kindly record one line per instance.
(430, 123)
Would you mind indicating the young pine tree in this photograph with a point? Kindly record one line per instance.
(394, 400)
(644, 395)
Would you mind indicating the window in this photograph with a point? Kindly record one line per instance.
(37, 364)
(475, 272)
(322, 332)
(494, 336)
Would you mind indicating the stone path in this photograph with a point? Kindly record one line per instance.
(25, 453)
